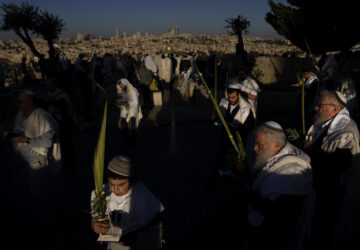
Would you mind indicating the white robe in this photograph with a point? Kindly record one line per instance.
(131, 96)
(165, 70)
(151, 65)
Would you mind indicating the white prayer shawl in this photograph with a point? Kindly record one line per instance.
(273, 179)
(139, 207)
(241, 115)
(165, 70)
(348, 89)
(150, 64)
(157, 60)
(249, 86)
(130, 95)
(287, 173)
(41, 128)
(342, 133)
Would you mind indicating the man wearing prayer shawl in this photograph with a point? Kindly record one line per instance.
(248, 87)
(130, 110)
(134, 212)
(35, 140)
(239, 118)
(282, 197)
(333, 145)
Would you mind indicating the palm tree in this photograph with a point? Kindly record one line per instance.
(237, 26)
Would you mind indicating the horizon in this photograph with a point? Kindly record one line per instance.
(197, 18)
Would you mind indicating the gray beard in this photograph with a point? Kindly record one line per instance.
(318, 120)
(260, 161)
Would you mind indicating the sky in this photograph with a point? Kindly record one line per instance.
(101, 17)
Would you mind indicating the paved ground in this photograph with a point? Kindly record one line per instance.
(175, 152)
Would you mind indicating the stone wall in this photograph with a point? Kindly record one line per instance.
(279, 70)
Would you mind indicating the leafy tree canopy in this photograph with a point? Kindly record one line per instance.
(321, 25)
(26, 20)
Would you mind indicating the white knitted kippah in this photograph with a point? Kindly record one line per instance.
(273, 126)
(120, 165)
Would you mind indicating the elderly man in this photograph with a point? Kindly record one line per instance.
(333, 143)
(35, 139)
(130, 110)
(282, 198)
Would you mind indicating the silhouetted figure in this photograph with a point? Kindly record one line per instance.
(62, 110)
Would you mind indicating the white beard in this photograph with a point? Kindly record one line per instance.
(318, 120)
(261, 159)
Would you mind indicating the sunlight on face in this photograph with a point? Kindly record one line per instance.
(325, 110)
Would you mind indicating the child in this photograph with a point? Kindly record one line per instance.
(134, 212)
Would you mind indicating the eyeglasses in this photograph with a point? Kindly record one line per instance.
(324, 104)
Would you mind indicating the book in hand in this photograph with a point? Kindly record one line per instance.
(109, 238)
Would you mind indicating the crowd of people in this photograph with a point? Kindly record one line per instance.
(303, 196)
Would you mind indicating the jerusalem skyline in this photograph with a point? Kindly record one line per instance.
(200, 17)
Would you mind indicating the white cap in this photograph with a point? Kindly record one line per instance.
(234, 85)
(273, 126)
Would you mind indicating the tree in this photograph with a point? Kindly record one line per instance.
(321, 25)
(237, 26)
(26, 20)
